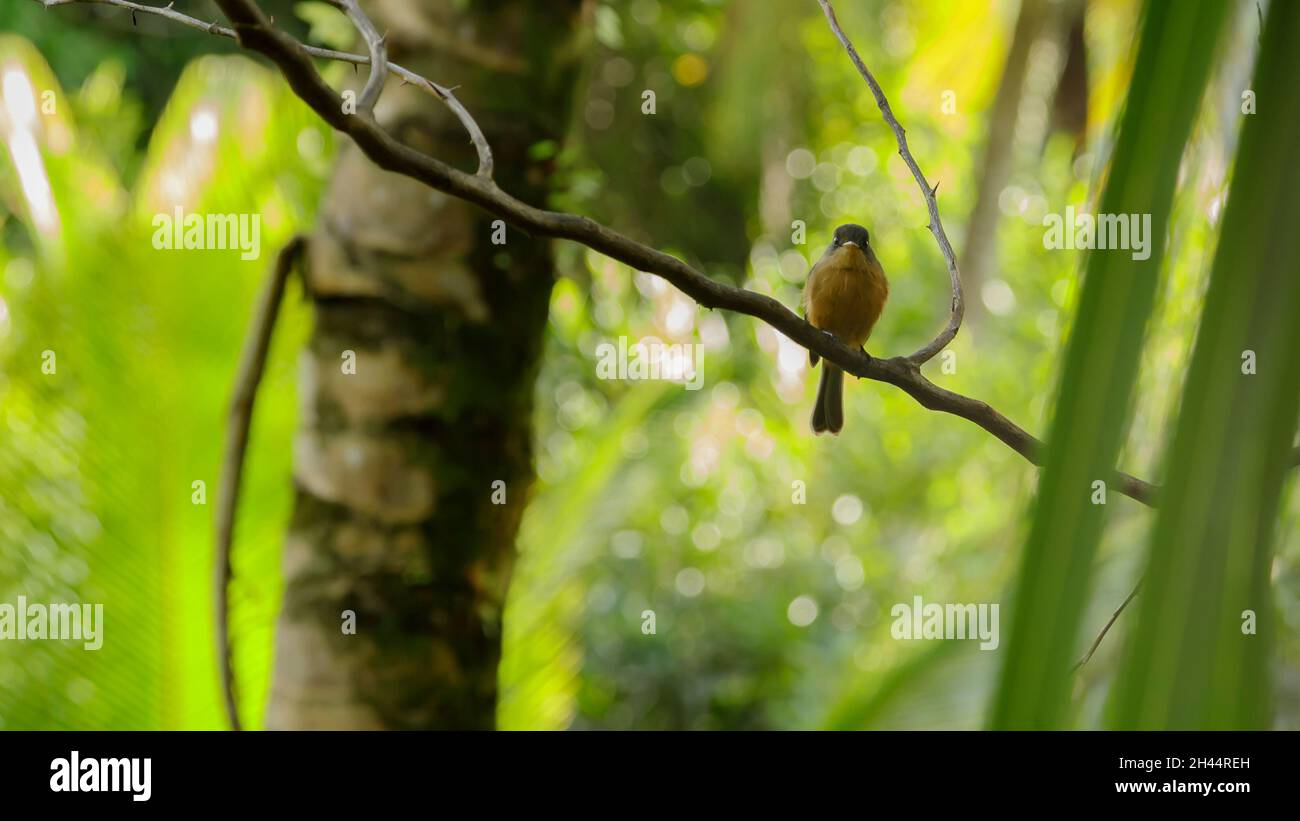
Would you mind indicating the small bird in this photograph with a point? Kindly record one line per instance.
(844, 295)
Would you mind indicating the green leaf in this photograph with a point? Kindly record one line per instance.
(1096, 388)
(1193, 660)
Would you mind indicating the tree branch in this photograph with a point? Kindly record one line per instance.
(252, 362)
(442, 93)
(254, 31)
(378, 53)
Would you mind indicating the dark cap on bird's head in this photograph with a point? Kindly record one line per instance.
(849, 232)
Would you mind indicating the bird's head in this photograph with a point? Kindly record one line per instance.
(851, 235)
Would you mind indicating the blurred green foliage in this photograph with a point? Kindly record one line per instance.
(1200, 654)
(1097, 380)
(768, 613)
(100, 456)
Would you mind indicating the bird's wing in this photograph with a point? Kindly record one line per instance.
(803, 306)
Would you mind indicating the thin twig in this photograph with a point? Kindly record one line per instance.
(378, 53)
(936, 225)
(1097, 641)
(252, 363)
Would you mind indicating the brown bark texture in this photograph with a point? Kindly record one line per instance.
(417, 385)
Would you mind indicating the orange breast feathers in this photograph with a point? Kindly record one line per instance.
(845, 293)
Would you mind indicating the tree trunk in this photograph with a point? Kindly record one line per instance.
(417, 385)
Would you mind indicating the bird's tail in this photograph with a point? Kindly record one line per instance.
(828, 413)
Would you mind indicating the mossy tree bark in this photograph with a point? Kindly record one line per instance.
(417, 386)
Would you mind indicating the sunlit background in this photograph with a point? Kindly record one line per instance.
(651, 497)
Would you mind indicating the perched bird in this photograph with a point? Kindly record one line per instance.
(844, 295)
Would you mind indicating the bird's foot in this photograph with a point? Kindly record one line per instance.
(863, 348)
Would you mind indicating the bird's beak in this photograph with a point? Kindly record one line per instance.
(850, 242)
